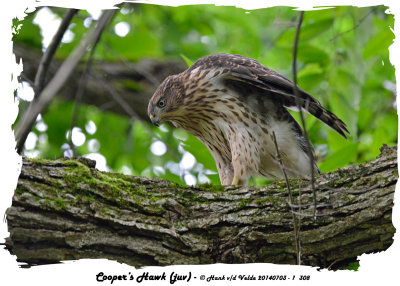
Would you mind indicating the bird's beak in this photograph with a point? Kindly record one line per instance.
(154, 120)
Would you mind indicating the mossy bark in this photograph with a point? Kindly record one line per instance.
(66, 209)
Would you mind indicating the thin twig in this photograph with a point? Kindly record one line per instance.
(296, 226)
(288, 24)
(278, 154)
(117, 97)
(81, 89)
(154, 81)
(60, 11)
(299, 217)
(355, 26)
(293, 172)
(24, 77)
(120, 101)
(297, 96)
(48, 55)
(107, 105)
(300, 206)
(37, 106)
(311, 215)
(333, 263)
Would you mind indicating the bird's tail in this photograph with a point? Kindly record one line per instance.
(328, 118)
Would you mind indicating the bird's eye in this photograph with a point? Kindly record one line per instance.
(161, 103)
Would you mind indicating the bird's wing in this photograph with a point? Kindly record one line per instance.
(249, 74)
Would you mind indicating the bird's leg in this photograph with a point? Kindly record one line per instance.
(241, 172)
(240, 176)
(235, 180)
(238, 181)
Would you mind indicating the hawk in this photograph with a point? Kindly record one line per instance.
(233, 105)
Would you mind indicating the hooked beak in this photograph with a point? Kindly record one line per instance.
(154, 120)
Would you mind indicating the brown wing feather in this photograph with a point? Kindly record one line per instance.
(252, 73)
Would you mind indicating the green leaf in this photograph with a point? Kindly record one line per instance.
(28, 33)
(340, 158)
(187, 60)
(310, 69)
(344, 98)
(58, 124)
(308, 31)
(378, 44)
(313, 29)
(352, 266)
(308, 53)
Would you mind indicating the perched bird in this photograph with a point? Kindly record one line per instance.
(233, 105)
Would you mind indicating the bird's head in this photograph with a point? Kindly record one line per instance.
(166, 102)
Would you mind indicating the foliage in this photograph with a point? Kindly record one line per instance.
(352, 266)
(343, 60)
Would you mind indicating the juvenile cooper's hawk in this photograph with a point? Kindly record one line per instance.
(233, 104)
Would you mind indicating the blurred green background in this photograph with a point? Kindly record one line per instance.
(343, 60)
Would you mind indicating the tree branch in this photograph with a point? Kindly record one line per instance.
(119, 75)
(66, 209)
(28, 119)
(51, 50)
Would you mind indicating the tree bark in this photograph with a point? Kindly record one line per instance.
(134, 83)
(66, 209)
